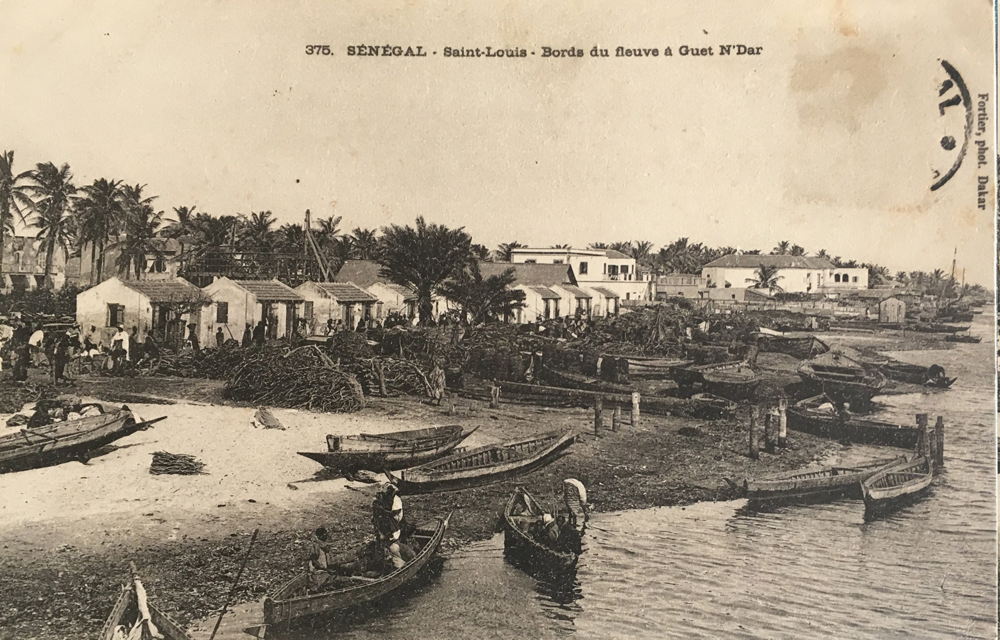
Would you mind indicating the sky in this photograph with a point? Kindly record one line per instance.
(828, 138)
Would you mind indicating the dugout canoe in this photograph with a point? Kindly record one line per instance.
(954, 337)
(68, 440)
(936, 327)
(801, 348)
(125, 613)
(291, 602)
(932, 376)
(896, 486)
(483, 465)
(735, 380)
(561, 378)
(651, 368)
(805, 416)
(381, 452)
(523, 550)
(842, 378)
(799, 487)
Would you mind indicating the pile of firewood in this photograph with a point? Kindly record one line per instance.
(178, 464)
(303, 378)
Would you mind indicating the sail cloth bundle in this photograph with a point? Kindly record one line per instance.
(144, 629)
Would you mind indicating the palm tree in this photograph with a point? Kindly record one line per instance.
(796, 250)
(766, 278)
(503, 252)
(141, 226)
(363, 243)
(52, 190)
(291, 238)
(481, 252)
(183, 225)
(256, 233)
(598, 246)
(877, 274)
(422, 258)
(822, 254)
(640, 250)
(13, 197)
(561, 246)
(620, 247)
(482, 299)
(326, 235)
(781, 249)
(100, 214)
(936, 281)
(901, 277)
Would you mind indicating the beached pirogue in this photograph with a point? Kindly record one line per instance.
(810, 486)
(896, 486)
(483, 465)
(293, 601)
(818, 416)
(385, 451)
(932, 376)
(134, 616)
(30, 448)
(735, 380)
(841, 378)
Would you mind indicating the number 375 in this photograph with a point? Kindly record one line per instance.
(318, 50)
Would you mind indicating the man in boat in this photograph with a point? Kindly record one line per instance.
(387, 519)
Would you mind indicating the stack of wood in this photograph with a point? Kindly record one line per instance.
(386, 376)
(303, 378)
(177, 464)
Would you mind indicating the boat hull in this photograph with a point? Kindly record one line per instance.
(414, 480)
(284, 606)
(64, 441)
(801, 348)
(810, 487)
(124, 613)
(352, 461)
(896, 487)
(854, 430)
(530, 556)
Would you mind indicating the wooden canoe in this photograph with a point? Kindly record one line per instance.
(63, 441)
(735, 380)
(649, 368)
(523, 550)
(915, 374)
(561, 378)
(126, 613)
(483, 465)
(842, 378)
(805, 416)
(896, 486)
(954, 337)
(810, 486)
(291, 601)
(936, 327)
(389, 451)
(801, 348)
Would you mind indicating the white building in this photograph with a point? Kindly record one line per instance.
(391, 297)
(335, 301)
(238, 303)
(609, 269)
(796, 274)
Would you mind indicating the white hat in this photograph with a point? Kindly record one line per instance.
(547, 518)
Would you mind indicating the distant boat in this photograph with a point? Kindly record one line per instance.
(735, 380)
(483, 465)
(805, 416)
(396, 450)
(810, 486)
(963, 338)
(917, 374)
(562, 378)
(801, 348)
(896, 486)
(653, 368)
(936, 327)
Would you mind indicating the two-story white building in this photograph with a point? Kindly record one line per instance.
(795, 274)
(605, 268)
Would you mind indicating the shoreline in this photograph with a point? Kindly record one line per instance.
(188, 534)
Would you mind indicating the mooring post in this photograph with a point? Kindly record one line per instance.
(598, 415)
(939, 439)
(925, 440)
(616, 419)
(452, 410)
(753, 424)
(782, 423)
(635, 408)
(768, 445)
(494, 396)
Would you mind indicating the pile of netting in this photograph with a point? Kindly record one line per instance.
(302, 378)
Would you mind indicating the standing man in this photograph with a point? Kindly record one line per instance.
(36, 343)
(220, 339)
(259, 333)
(193, 337)
(247, 337)
(60, 357)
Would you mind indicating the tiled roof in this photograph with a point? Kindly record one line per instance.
(165, 290)
(617, 255)
(346, 292)
(749, 261)
(408, 294)
(363, 273)
(546, 293)
(576, 291)
(606, 292)
(270, 290)
(530, 274)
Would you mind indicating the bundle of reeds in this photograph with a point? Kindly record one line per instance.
(178, 464)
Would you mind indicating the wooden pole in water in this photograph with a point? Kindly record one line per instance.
(616, 418)
(598, 415)
(753, 424)
(782, 423)
(236, 582)
(925, 441)
(939, 440)
(635, 408)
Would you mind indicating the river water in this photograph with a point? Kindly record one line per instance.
(711, 571)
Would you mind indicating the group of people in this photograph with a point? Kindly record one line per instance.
(387, 552)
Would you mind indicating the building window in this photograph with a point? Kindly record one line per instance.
(116, 315)
(307, 309)
(222, 312)
(854, 279)
(624, 268)
(613, 270)
(583, 268)
(557, 261)
(531, 261)
(836, 277)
